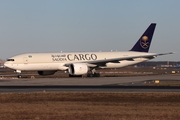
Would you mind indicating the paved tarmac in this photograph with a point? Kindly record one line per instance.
(85, 81)
(101, 84)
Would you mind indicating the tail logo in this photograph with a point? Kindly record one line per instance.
(144, 42)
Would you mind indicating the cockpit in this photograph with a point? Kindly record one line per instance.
(10, 59)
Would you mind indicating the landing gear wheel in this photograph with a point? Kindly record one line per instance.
(19, 76)
(96, 74)
(93, 75)
(89, 75)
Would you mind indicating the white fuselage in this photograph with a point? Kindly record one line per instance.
(57, 61)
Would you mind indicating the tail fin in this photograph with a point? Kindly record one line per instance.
(144, 42)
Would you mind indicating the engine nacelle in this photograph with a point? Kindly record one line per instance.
(78, 69)
(46, 72)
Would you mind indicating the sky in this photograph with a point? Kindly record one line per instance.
(87, 25)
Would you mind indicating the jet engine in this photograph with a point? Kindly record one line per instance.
(46, 72)
(78, 69)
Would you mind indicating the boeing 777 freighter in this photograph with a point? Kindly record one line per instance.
(80, 63)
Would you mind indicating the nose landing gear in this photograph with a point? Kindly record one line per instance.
(19, 76)
(19, 73)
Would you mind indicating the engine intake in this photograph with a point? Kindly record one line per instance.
(78, 69)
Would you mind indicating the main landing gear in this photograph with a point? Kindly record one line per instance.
(93, 73)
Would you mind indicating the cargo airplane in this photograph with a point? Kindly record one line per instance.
(80, 63)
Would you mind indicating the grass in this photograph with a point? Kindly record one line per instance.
(90, 106)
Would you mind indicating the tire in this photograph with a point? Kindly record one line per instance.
(19, 76)
(93, 75)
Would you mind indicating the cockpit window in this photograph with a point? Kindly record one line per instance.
(10, 59)
(30, 56)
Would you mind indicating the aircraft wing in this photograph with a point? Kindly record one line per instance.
(117, 60)
(165, 53)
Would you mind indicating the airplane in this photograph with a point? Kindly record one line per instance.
(80, 63)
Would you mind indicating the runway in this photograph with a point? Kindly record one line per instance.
(29, 89)
(102, 84)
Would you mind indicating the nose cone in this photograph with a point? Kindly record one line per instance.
(6, 64)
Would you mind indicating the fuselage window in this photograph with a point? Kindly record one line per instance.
(10, 59)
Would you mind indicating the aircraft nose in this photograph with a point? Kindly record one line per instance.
(6, 64)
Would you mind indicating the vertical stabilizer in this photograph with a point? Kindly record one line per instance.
(144, 42)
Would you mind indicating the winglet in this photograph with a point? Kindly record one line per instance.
(144, 42)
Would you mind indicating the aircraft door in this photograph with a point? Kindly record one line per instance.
(25, 60)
